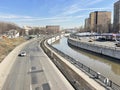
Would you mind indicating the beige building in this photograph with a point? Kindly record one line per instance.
(100, 21)
(116, 22)
(92, 21)
(87, 24)
(52, 29)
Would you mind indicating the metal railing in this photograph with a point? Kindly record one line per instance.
(93, 74)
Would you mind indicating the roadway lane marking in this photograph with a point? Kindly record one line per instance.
(30, 87)
(30, 70)
(50, 84)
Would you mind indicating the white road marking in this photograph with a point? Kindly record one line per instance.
(30, 87)
(30, 70)
(50, 84)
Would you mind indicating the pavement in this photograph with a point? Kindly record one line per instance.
(108, 44)
(85, 79)
(35, 71)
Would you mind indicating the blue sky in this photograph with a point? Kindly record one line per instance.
(66, 13)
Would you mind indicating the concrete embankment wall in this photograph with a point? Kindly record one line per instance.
(7, 63)
(53, 39)
(111, 52)
(76, 77)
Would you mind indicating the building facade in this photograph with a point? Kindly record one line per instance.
(12, 33)
(100, 21)
(87, 24)
(116, 22)
(52, 29)
(92, 21)
(27, 29)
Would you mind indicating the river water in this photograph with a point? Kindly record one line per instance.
(105, 65)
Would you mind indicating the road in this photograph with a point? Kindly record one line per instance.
(35, 71)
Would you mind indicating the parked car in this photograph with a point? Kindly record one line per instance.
(90, 40)
(117, 44)
(23, 53)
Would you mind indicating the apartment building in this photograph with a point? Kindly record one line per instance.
(116, 21)
(87, 24)
(100, 21)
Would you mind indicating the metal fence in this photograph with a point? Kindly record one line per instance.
(95, 75)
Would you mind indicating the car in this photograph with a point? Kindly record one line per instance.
(117, 44)
(23, 53)
(90, 40)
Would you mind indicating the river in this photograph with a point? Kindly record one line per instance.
(105, 65)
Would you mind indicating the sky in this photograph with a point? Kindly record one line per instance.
(66, 13)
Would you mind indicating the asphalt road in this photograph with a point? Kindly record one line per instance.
(35, 72)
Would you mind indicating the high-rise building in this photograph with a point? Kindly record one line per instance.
(87, 24)
(116, 22)
(92, 21)
(100, 21)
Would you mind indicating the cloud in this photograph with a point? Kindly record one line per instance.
(57, 19)
(94, 2)
(82, 6)
(10, 16)
(73, 11)
(68, 20)
(33, 21)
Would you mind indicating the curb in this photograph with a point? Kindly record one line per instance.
(7, 63)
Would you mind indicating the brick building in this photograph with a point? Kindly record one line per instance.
(100, 21)
(116, 21)
(52, 29)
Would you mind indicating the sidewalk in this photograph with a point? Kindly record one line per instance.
(55, 78)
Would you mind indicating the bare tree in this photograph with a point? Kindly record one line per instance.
(6, 26)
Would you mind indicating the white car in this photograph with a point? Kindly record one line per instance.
(23, 53)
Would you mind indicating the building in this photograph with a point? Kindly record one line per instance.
(116, 21)
(87, 24)
(100, 21)
(42, 30)
(27, 29)
(52, 29)
(12, 33)
(92, 21)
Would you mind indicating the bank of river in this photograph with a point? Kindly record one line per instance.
(102, 64)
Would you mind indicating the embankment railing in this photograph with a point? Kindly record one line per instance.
(93, 74)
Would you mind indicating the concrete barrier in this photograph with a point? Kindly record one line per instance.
(53, 39)
(76, 77)
(7, 63)
(114, 53)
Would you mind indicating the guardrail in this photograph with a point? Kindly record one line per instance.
(67, 71)
(95, 75)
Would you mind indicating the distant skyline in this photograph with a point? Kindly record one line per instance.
(66, 13)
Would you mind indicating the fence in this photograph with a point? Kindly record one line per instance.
(95, 75)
